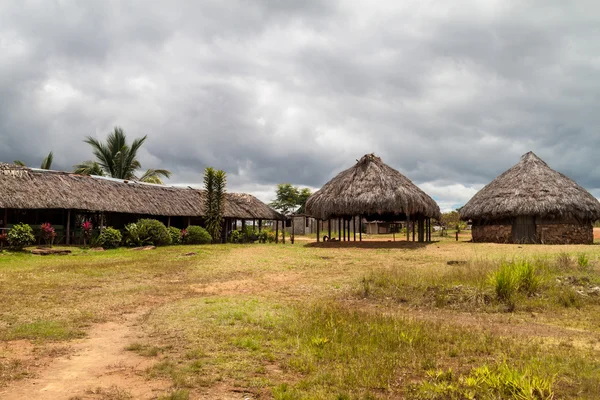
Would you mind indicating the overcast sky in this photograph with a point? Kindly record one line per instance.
(450, 93)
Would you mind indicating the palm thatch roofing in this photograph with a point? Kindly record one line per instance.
(370, 188)
(532, 188)
(26, 188)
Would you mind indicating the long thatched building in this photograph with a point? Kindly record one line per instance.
(35, 196)
(373, 190)
(532, 203)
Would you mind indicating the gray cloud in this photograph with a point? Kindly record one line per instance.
(450, 93)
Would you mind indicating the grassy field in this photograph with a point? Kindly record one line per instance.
(377, 320)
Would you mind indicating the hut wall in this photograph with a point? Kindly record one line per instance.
(492, 233)
(569, 233)
(556, 232)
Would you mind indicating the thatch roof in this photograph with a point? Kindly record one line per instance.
(532, 188)
(370, 188)
(26, 188)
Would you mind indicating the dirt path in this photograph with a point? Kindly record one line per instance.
(98, 367)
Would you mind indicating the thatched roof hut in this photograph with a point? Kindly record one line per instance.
(374, 190)
(25, 188)
(531, 202)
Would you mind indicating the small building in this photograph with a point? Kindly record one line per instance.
(532, 203)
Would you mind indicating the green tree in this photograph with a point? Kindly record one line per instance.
(214, 184)
(46, 162)
(117, 159)
(289, 198)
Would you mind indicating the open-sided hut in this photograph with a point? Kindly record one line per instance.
(532, 203)
(373, 190)
(35, 196)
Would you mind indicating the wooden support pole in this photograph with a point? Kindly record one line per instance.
(360, 227)
(344, 229)
(189, 221)
(318, 231)
(339, 229)
(260, 225)
(407, 227)
(292, 232)
(354, 227)
(349, 229)
(413, 230)
(169, 221)
(68, 227)
(5, 217)
(283, 231)
(329, 229)
(276, 231)
(243, 225)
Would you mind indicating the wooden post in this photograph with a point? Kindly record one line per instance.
(457, 236)
(169, 221)
(5, 217)
(318, 231)
(413, 229)
(360, 228)
(189, 221)
(260, 225)
(354, 227)
(329, 228)
(292, 232)
(407, 227)
(68, 227)
(283, 231)
(243, 224)
(344, 229)
(339, 229)
(276, 231)
(348, 230)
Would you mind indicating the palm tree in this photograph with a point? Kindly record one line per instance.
(46, 162)
(117, 159)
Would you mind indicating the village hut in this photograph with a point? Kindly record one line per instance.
(373, 191)
(532, 203)
(35, 196)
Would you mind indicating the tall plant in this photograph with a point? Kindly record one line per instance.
(214, 184)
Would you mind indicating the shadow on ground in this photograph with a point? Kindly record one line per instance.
(370, 244)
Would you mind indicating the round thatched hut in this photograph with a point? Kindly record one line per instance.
(374, 191)
(532, 203)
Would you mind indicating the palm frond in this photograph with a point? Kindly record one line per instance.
(47, 162)
(19, 163)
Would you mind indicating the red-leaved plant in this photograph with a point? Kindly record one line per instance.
(48, 233)
(184, 235)
(87, 227)
(3, 240)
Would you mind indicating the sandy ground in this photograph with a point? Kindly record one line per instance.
(96, 367)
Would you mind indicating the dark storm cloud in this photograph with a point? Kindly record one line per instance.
(449, 93)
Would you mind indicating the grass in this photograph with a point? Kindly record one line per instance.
(346, 322)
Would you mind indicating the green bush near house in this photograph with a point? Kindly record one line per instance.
(19, 236)
(110, 238)
(197, 235)
(175, 234)
(147, 232)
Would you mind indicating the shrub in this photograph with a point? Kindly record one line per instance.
(147, 232)
(197, 235)
(110, 238)
(235, 237)
(132, 236)
(19, 236)
(175, 234)
(87, 229)
(48, 233)
(505, 283)
(510, 278)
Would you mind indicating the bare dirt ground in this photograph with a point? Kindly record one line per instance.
(95, 367)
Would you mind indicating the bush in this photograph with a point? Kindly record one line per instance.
(197, 235)
(235, 237)
(132, 235)
(19, 236)
(510, 278)
(110, 238)
(147, 232)
(175, 234)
